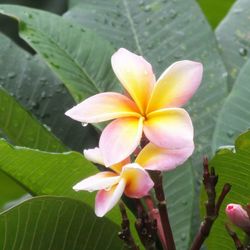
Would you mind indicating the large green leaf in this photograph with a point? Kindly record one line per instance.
(56, 223)
(23, 129)
(33, 84)
(233, 36)
(209, 7)
(235, 113)
(163, 32)
(79, 57)
(234, 168)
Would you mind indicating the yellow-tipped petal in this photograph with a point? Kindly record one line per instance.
(119, 139)
(155, 158)
(138, 181)
(118, 167)
(176, 85)
(169, 128)
(136, 76)
(107, 199)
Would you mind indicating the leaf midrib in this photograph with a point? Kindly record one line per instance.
(132, 25)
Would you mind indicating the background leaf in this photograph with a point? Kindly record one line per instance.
(209, 7)
(81, 59)
(234, 116)
(179, 187)
(233, 36)
(233, 168)
(22, 129)
(56, 223)
(33, 84)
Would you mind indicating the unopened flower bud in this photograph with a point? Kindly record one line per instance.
(238, 216)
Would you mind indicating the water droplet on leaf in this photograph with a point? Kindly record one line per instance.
(243, 51)
(11, 75)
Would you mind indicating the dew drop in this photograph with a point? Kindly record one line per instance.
(150, 46)
(11, 75)
(141, 2)
(230, 133)
(108, 188)
(183, 236)
(148, 21)
(184, 202)
(147, 8)
(173, 14)
(47, 127)
(43, 94)
(237, 11)
(159, 59)
(84, 124)
(243, 51)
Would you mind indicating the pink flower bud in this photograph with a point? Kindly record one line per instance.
(238, 216)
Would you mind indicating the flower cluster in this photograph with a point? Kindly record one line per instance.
(149, 109)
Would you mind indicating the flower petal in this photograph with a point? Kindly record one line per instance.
(119, 139)
(135, 74)
(118, 166)
(99, 181)
(103, 107)
(94, 155)
(155, 158)
(169, 128)
(138, 181)
(176, 85)
(106, 200)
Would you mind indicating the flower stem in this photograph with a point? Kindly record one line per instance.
(125, 234)
(237, 242)
(154, 215)
(212, 207)
(159, 192)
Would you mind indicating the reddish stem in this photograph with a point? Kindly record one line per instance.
(154, 214)
(159, 192)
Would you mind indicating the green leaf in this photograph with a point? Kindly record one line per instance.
(235, 113)
(22, 129)
(56, 223)
(233, 38)
(78, 56)
(33, 84)
(179, 188)
(164, 32)
(234, 168)
(209, 7)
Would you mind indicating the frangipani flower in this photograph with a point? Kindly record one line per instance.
(125, 177)
(151, 107)
(238, 216)
(130, 178)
